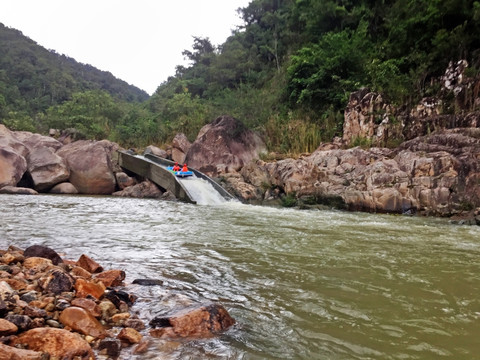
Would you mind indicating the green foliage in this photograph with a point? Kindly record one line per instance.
(287, 73)
(93, 113)
(32, 79)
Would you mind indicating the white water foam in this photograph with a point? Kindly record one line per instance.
(202, 191)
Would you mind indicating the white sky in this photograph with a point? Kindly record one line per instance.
(138, 41)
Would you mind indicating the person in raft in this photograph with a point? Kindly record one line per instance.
(184, 169)
(176, 167)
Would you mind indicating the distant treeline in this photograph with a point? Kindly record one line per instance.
(287, 73)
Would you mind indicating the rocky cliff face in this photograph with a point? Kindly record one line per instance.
(370, 119)
(436, 174)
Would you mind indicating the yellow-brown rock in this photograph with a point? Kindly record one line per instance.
(58, 343)
(78, 271)
(85, 288)
(130, 335)
(111, 277)
(82, 321)
(88, 305)
(89, 264)
(37, 264)
(12, 353)
(195, 322)
(7, 328)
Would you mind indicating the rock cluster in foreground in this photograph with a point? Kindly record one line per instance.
(62, 309)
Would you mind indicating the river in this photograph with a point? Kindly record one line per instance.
(300, 284)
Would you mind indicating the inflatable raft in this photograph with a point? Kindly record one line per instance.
(180, 173)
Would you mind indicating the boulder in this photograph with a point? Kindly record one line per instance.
(57, 281)
(85, 288)
(146, 189)
(87, 263)
(64, 188)
(180, 147)
(124, 181)
(43, 252)
(196, 322)
(225, 145)
(130, 336)
(57, 343)
(13, 166)
(35, 141)
(151, 149)
(13, 353)
(91, 166)
(82, 321)
(7, 327)
(17, 190)
(46, 168)
(111, 278)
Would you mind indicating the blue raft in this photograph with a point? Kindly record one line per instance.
(180, 173)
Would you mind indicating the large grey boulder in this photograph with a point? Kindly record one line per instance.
(91, 166)
(46, 168)
(225, 145)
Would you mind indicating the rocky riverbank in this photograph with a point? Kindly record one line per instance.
(51, 307)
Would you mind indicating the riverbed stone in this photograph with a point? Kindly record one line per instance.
(89, 305)
(86, 288)
(111, 277)
(13, 353)
(7, 327)
(64, 188)
(82, 321)
(130, 335)
(43, 252)
(89, 264)
(57, 343)
(195, 322)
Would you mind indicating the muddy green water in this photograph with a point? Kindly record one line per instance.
(301, 284)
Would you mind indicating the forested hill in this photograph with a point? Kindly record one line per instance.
(287, 73)
(33, 78)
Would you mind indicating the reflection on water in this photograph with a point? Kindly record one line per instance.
(301, 284)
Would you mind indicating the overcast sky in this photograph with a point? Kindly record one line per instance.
(138, 41)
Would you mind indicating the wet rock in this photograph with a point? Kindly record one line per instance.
(111, 278)
(82, 321)
(64, 188)
(120, 318)
(130, 335)
(147, 282)
(43, 252)
(118, 296)
(124, 181)
(58, 281)
(146, 189)
(78, 271)
(13, 353)
(107, 308)
(21, 321)
(17, 190)
(85, 288)
(89, 305)
(57, 343)
(7, 327)
(62, 304)
(110, 347)
(195, 322)
(89, 264)
(136, 324)
(12, 257)
(29, 296)
(34, 312)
